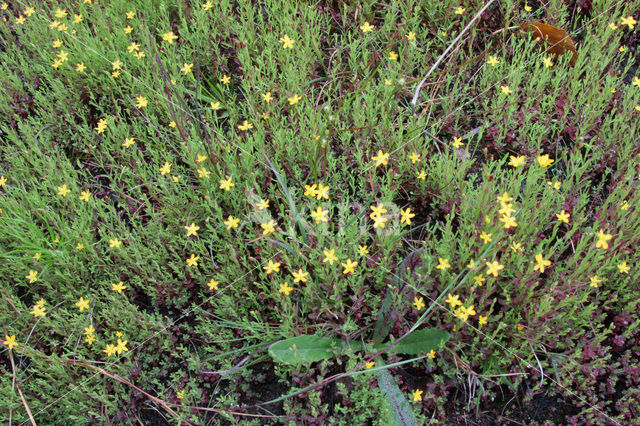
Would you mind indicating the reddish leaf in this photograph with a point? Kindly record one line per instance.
(556, 40)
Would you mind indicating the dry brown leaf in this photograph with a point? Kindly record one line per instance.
(556, 40)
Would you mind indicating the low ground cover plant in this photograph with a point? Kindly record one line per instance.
(319, 213)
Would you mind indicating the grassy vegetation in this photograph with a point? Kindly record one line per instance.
(184, 184)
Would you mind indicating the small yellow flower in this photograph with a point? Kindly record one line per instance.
(508, 221)
(603, 239)
(245, 126)
(363, 250)
(32, 277)
(381, 159)
(268, 228)
(213, 284)
(203, 173)
(10, 341)
(493, 61)
(411, 36)
(493, 268)
(226, 184)
(516, 161)
(545, 161)
(193, 260)
(366, 27)
(231, 222)
(460, 11)
(541, 263)
(457, 142)
(349, 266)
(169, 37)
(370, 364)
(272, 267)
(115, 243)
(131, 14)
(180, 394)
(636, 81)
(563, 216)
(393, 56)
(431, 354)
(329, 256)
(422, 175)
(80, 67)
(285, 289)
(516, 247)
(417, 395)
(287, 43)
(623, 268)
(300, 276)
(82, 304)
(527, 8)
(186, 68)
(406, 215)
(443, 264)
(166, 169)
(486, 238)
(263, 204)
(225, 79)
(141, 102)
(453, 300)
(208, 5)
(482, 319)
(594, 281)
(628, 21)
(192, 229)
(85, 195)
(294, 99)
(320, 215)
(506, 90)
(418, 302)
(379, 222)
(118, 287)
(79, 246)
(37, 256)
(323, 192)
(414, 157)
(479, 279)
(63, 190)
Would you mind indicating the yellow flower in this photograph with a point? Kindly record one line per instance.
(594, 281)
(267, 97)
(133, 47)
(414, 157)
(192, 229)
(300, 276)
(263, 204)
(460, 11)
(363, 250)
(215, 106)
(370, 364)
(294, 99)
(527, 8)
(379, 222)
(516, 161)
(310, 191)
(169, 37)
(213, 284)
(80, 67)
(457, 142)
(32, 277)
(623, 268)
(381, 158)
(285, 289)
(563, 216)
(387, 82)
(186, 68)
(141, 102)
(109, 349)
(63, 190)
(628, 21)
(226, 184)
(453, 300)
(203, 173)
(494, 267)
(493, 61)
(411, 36)
(482, 319)
(131, 14)
(613, 26)
(208, 5)
(431, 354)
(479, 279)
(166, 169)
(180, 394)
(323, 192)
(393, 55)
(636, 81)
(417, 395)
(231, 222)
(287, 43)
(193, 260)
(544, 160)
(603, 239)
(10, 341)
(406, 215)
(422, 175)
(38, 310)
(418, 302)
(547, 62)
(366, 27)
(486, 238)
(443, 264)
(541, 263)
(84, 196)
(121, 347)
(245, 126)
(329, 256)
(506, 90)
(320, 215)
(118, 287)
(272, 267)
(516, 247)
(349, 266)
(115, 243)
(37, 256)
(509, 221)
(79, 246)
(225, 79)
(268, 228)
(82, 304)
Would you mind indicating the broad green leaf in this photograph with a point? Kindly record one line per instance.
(401, 413)
(307, 348)
(418, 342)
